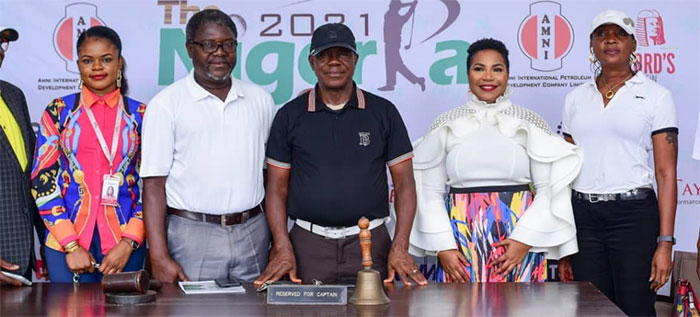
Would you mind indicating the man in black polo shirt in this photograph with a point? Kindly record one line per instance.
(327, 156)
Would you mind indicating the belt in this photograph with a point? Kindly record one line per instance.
(223, 220)
(633, 194)
(490, 189)
(337, 232)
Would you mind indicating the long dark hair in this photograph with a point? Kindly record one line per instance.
(110, 35)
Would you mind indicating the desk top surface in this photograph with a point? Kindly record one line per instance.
(480, 299)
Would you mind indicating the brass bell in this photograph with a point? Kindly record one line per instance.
(369, 289)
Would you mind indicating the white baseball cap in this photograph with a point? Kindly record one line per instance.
(8, 34)
(618, 18)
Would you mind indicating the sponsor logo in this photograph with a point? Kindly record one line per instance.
(650, 28)
(77, 18)
(545, 36)
(653, 53)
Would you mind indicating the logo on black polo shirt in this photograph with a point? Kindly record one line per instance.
(364, 138)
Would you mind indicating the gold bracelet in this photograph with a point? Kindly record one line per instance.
(71, 247)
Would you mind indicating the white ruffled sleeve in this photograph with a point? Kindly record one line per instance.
(432, 231)
(548, 224)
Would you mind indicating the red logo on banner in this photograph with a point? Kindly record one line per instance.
(650, 28)
(653, 55)
(545, 36)
(78, 18)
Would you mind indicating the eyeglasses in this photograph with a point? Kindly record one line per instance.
(211, 46)
(4, 45)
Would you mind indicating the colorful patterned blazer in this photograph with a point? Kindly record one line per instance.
(69, 208)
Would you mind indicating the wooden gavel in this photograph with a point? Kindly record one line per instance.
(129, 282)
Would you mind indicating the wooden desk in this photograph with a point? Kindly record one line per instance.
(521, 299)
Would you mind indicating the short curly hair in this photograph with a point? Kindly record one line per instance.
(209, 16)
(487, 44)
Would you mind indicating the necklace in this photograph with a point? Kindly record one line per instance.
(611, 93)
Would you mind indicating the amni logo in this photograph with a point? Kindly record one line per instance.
(77, 19)
(545, 36)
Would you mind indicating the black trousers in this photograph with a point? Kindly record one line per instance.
(337, 261)
(617, 240)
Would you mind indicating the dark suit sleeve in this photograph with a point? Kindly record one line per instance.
(30, 143)
(30, 140)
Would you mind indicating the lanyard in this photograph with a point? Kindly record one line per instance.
(100, 138)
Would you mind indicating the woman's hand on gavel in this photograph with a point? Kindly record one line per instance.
(80, 261)
(116, 258)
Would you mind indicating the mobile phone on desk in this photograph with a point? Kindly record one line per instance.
(17, 277)
(227, 282)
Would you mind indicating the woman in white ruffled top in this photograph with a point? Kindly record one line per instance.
(475, 171)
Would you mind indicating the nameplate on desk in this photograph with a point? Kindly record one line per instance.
(286, 294)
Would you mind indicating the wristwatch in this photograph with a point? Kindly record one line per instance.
(134, 245)
(666, 239)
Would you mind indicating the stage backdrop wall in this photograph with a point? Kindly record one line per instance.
(410, 43)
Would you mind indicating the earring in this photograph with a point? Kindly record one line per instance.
(80, 84)
(591, 57)
(119, 79)
(633, 59)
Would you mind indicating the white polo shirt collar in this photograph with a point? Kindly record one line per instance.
(198, 92)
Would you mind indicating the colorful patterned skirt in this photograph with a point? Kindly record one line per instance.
(482, 216)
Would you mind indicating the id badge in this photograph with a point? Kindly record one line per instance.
(110, 189)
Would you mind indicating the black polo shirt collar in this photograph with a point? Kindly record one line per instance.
(357, 100)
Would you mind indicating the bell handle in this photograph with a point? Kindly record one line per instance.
(365, 242)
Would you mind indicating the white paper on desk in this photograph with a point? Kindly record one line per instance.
(208, 287)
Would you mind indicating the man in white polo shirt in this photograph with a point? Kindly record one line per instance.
(203, 154)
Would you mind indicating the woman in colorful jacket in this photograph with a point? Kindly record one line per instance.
(89, 144)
